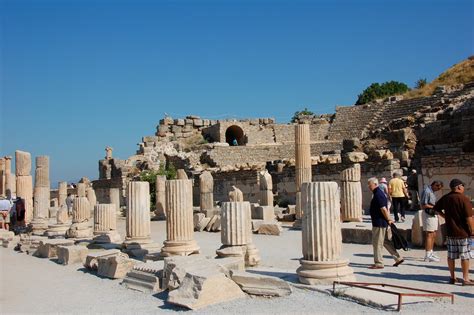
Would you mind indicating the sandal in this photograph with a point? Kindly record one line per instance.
(468, 282)
(452, 280)
(375, 267)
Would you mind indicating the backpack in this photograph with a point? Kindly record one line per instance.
(399, 242)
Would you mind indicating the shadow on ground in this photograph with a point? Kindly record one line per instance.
(290, 277)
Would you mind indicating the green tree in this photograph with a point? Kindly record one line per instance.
(376, 90)
(420, 83)
(150, 176)
(304, 112)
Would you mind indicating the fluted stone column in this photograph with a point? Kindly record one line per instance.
(138, 219)
(24, 182)
(62, 193)
(114, 197)
(160, 197)
(302, 165)
(81, 189)
(236, 194)
(321, 236)
(351, 194)
(236, 233)
(2, 177)
(81, 224)
(90, 194)
(179, 222)
(105, 224)
(41, 196)
(266, 189)
(206, 187)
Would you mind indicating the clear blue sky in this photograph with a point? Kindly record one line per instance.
(77, 76)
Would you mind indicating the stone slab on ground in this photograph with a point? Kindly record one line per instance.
(92, 259)
(115, 267)
(231, 263)
(269, 228)
(203, 287)
(48, 248)
(72, 254)
(266, 213)
(142, 281)
(256, 284)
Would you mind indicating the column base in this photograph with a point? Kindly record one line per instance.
(297, 224)
(81, 230)
(179, 248)
(107, 237)
(231, 251)
(324, 272)
(351, 219)
(57, 230)
(139, 247)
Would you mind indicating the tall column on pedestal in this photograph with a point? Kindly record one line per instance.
(160, 197)
(105, 224)
(236, 232)
(302, 165)
(2, 177)
(62, 193)
(321, 236)
(266, 189)
(138, 219)
(10, 180)
(351, 194)
(41, 196)
(179, 222)
(24, 181)
(206, 187)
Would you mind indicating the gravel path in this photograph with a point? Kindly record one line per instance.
(33, 285)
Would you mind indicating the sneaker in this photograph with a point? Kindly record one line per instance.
(398, 262)
(434, 255)
(431, 258)
(403, 219)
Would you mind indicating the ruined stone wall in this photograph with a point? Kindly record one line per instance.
(447, 167)
(247, 181)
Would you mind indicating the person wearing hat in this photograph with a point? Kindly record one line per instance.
(456, 208)
(430, 218)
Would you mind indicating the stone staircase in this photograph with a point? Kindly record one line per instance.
(351, 121)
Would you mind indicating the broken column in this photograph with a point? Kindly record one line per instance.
(206, 187)
(62, 225)
(81, 190)
(2, 177)
(105, 224)
(266, 189)
(302, 165)
(160, 197)
(90, 194)
(10, 180)
(351, 194)
(236, 233)
(321, 236)
(179, 224)
(41, 195)
(138, 240)
(181, 174)
(24, 182)
(81, 212)
(62, 193)
(114, 197)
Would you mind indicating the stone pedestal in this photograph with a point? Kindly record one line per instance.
(206, 187)
(160, 196)
(302, 165)
(321, 236)
(236, 233)
(81, 226)
(114, 197)
(62, 225)
(179, 224)
(266, 189)
(62, 193)
(105, 224)
(138, 237)
(351, 194)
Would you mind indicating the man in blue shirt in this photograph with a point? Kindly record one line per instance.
(380, 217)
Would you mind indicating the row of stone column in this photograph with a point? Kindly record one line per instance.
(41, 196)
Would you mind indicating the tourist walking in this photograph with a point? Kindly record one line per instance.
(384, 187)
(381, 220)
(412, 183)
(398, 193)
(456, 208)
(430, 219)
(69, 203)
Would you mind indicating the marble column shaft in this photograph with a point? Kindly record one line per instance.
(266, 189)
(235, 223)
(160, 196)
(302, 162)
(24, 189)
(2, 177)
(10, 180)
(138, 212)
(81, 210)
(351, 194)
(206, 187)
(22, 163)
(62, 193)
(114, 197)
(41, 203)
(105, 218)
(81, 190)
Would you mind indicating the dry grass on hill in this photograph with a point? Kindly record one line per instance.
(460, 73)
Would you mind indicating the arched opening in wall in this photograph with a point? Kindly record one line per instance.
(234, 135)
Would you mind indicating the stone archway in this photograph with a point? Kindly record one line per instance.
(234, 133)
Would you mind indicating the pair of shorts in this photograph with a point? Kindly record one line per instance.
(430, 222)
(5, 216)
(458, 248)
